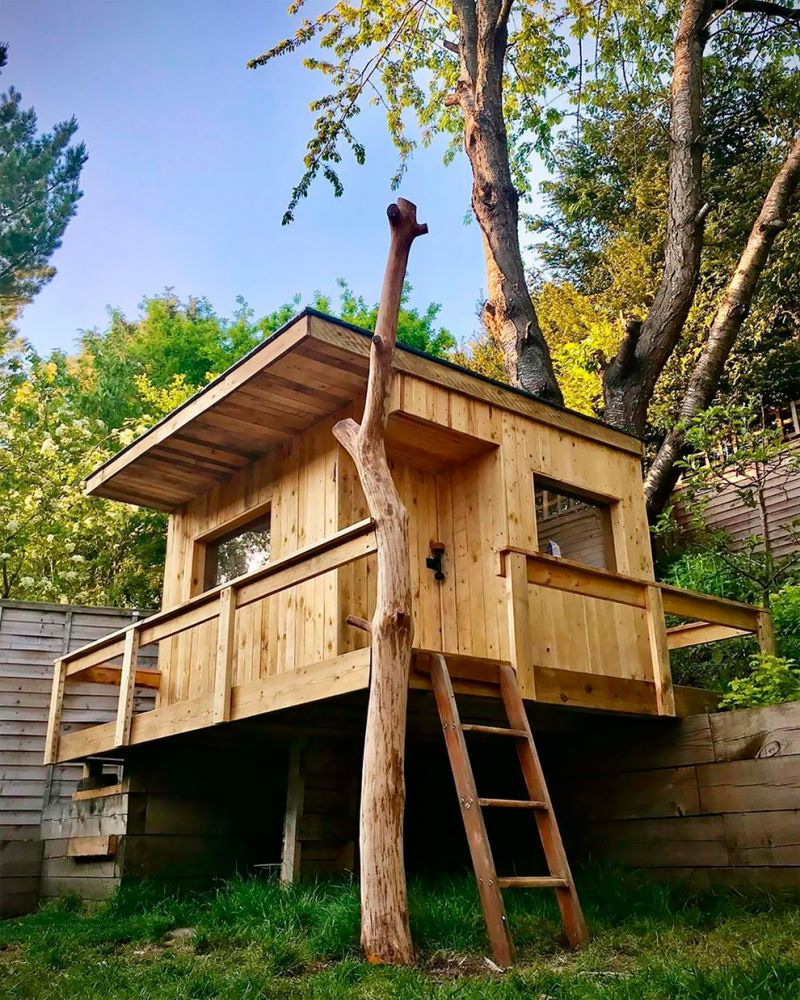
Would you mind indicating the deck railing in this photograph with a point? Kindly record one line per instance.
(715, 618)
(94, 662)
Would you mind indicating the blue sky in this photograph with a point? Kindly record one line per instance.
(191, 161)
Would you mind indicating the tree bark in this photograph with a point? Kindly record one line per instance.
(385, 933)
(728, 319)
(509, 312)
(631, 377)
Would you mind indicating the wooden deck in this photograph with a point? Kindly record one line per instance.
(115, 659)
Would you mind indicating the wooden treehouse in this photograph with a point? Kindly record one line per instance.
(529, 550)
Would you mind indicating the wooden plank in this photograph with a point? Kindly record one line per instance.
(704, 607)
(749, 734)
(763, 838)
(766, 784)
(584, 690)
(685, 841)
(122, 729)
(519, 621)
(640, 795)
(54, 718)
(575, 578)
(318, 681)
(295, 791)
(92, 847)
(223, 672)
(765, 633)
(698, 633)
(109, 673)
(659, 652)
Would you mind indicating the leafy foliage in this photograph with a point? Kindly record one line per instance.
(771, 681)
(39, 177)
(62, 416)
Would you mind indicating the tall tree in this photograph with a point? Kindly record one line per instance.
(39, 193)
(500, 63)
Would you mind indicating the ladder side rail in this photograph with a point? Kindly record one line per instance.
(477, 837)
(556, 856)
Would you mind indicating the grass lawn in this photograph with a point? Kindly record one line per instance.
(255, 939)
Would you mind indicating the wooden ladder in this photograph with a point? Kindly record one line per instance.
(472, 806)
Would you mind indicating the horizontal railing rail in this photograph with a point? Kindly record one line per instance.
(92, 662)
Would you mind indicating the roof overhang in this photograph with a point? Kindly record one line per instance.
(309, 369)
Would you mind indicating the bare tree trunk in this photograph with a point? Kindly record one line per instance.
(509, 312)
(773, 217)
(631, 377)
(385, 933)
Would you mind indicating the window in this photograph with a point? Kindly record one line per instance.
(239, 551)
(574, 526)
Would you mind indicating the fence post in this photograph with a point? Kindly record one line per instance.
(659, 650)
(765, 633)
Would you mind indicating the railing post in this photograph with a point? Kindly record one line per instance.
(765, 633)
(515, 570)
(223, 669)
(127, 682)
(54, 717)
(659, 651)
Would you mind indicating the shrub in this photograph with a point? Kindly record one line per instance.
(772, 680)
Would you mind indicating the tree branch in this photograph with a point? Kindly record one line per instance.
(725, 327)
(760, 7)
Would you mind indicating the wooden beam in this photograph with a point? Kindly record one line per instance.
(54, 717)
(577, 578)
(223, 670)
(295, 794)
(704, 607)
(122, 729)
(110, 673)
(92, 847)
(519, 621)
(698, 633)
(765, 633)
(659, 651)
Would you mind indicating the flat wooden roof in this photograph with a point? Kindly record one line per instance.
(310, 368)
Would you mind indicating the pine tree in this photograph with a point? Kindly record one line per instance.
(39, 193)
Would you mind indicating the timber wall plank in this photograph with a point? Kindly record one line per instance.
(712, 799)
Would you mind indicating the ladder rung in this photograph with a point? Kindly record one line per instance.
(532, 882)
(513, 803)
(518, 734)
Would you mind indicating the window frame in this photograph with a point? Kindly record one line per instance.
(203, 541)
(609, 514)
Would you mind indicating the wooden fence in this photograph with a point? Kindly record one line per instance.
(32, 635)
(713, 799)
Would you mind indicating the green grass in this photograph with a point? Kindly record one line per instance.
(256, 940)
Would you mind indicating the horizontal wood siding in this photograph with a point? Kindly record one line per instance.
(714, 799)
(726, 512)
(31, 636)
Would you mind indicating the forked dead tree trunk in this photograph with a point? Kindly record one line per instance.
(385, 933)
